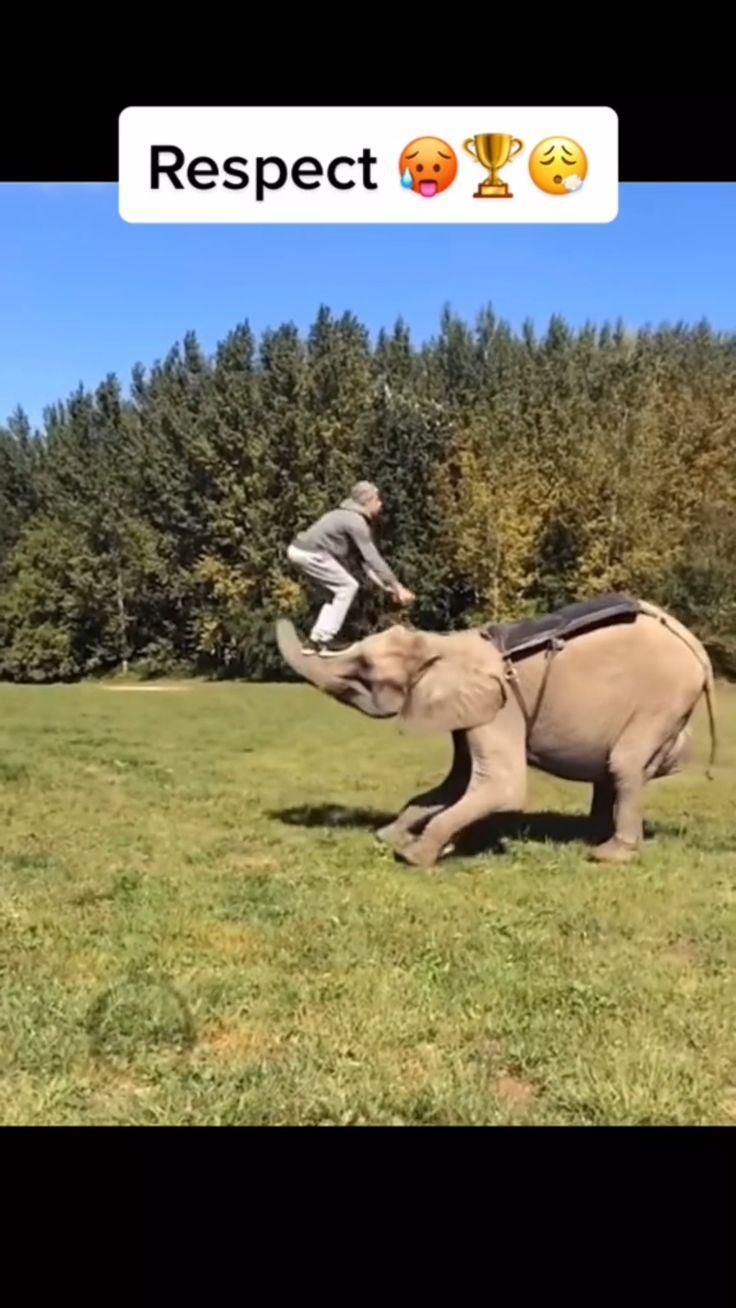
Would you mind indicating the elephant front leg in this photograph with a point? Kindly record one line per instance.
(497, 785)
(486, 797)
(422, 808)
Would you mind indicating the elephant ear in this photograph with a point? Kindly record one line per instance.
(455, 693)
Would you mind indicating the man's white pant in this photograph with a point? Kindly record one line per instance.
(331, 576)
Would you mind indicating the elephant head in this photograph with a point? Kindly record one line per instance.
(430, 682)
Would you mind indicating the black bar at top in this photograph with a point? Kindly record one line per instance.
(661, 139)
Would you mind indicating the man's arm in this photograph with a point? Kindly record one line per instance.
(375, 565)
(381, 585)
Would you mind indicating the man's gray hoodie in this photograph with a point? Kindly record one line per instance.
(344, 532)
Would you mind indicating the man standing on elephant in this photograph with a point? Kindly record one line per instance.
(322, 554)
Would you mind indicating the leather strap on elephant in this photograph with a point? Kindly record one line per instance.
(707, 689)
(551, 632)
(554, 646)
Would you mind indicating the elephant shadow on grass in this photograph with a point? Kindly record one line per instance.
(489, 836)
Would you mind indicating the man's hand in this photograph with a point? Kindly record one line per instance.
(399, 593)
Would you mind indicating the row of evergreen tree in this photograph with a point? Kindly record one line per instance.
(518, 472)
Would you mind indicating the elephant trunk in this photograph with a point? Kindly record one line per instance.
(336, 676)
(323, 673)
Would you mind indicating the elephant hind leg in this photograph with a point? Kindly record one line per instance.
(674, 758)
(415, 815)
(628, 833)
(629, 767)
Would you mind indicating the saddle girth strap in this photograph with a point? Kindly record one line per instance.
(530, 719)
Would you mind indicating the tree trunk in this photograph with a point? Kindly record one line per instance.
(496, 587)
(122, 621)
(613, 524)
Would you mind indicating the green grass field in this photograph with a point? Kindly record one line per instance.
(197, 926)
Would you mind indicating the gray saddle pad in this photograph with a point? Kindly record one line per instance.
(516, 639)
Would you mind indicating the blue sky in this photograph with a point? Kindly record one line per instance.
(84, 294)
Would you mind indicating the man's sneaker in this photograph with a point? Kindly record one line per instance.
(329, 648)
(326, 648)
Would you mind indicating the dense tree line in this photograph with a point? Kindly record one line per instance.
(518, 472)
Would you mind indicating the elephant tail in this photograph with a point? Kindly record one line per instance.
(708, 687)
(709, 692)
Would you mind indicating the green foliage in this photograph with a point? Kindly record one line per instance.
(518, 472)
(19, 455)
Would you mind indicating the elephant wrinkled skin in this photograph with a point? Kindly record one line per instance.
(611, 708)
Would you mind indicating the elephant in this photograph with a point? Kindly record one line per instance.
(601, 691)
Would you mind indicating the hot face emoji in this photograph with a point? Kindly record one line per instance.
(428, 166)
(558, 165)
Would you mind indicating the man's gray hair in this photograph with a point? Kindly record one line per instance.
(363, 491)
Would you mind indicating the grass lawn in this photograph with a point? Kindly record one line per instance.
(197, 926)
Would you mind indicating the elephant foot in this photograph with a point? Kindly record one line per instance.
(393, 836)
(418, 853)
(614, 851)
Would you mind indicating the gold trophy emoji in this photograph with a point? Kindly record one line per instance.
(493, 150)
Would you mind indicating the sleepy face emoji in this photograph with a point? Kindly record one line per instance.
(558, 165)
(427, 166)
